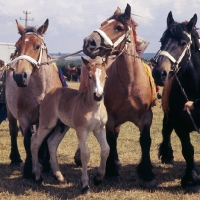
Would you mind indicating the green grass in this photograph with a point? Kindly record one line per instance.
(12, 185)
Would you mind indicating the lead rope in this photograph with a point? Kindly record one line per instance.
(188, 111)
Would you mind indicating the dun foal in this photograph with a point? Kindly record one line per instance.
(83, 111)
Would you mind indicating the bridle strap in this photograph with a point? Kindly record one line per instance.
(119, 40)
(24, 57)
(28, 58)
(176, 62)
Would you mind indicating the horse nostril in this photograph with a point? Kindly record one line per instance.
(24, 75)
(163, 75)
(92, 43)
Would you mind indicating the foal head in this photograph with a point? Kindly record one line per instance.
(175, 48)
(29, 50)
(111, 37)
(96, 78)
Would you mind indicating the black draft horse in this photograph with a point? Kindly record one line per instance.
(178, 69)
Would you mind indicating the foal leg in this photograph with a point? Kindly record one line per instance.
(13, 127)
(144, 169)
(85, 155)
(101, 138)
(165, 150)
(53, 142)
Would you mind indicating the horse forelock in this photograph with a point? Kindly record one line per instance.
(30, 29)
(176, 30)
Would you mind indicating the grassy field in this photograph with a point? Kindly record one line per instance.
(12, 185)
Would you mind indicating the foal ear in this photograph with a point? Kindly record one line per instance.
(86, 63)
(20, 28)
(117, 11)
(128, 11)
(170, 18)
(43, 28)
(191, 24)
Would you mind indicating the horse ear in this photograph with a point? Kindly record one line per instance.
(170, 18)
(43, 28)
(191, 24)
(117, 11)
(20, 28)
(86, 63)
(128, 11)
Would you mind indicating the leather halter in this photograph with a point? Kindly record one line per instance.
(119, 40)
(28, 58)
(174, 61)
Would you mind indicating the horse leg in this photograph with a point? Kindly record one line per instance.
(13, 127)
(44, 156)
(53, 142)
(144, 169)
(112, 165)
(165, 150)
(101, 138)
(77, 157)
(36, 142)
(26, 129)
(85, 155)
(190, 178)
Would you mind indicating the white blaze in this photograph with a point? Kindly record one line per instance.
(98, 89)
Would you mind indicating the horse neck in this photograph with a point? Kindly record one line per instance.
(128, 65)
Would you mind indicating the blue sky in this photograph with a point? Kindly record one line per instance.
(70, 21)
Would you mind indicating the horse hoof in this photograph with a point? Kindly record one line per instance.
(148, 184)
(39, 181)
(17, 164)
(85, 190)
(97, 181)
(118, 164)
(60, 181)
(190, 180)
(115, 179)
(167, 161)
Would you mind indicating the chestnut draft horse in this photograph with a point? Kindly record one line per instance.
(178, 69)
(83, 111)
(27, 82)
(128, 90)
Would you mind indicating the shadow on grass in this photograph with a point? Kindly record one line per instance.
(167, 178)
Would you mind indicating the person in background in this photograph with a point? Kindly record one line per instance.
(3, 109)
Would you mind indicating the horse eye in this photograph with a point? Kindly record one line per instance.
(183, 43)
(37, 47)
(89, 76)
(118, 28)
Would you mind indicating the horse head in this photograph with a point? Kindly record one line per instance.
(96, 78)
(111, 37)
(175, 48)
(29, 52)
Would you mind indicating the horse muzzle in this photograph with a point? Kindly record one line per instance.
(92, 47)
(21, 79)
(98, 97)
